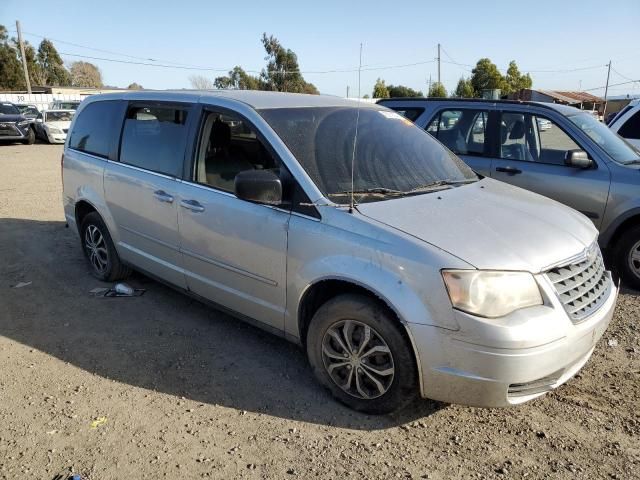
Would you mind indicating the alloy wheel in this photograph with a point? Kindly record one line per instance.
(634, 259)
(96, 249)
(357, 359)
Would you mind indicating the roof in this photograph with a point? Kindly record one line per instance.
(571, 96)
(259, 100)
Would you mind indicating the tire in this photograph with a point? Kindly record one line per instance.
(349, 316)
(100, 251)
(31, 137)
(627, 257)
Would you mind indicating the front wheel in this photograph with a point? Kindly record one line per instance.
(31, 137)
(627, 257)
(100, 251)
(357, 350)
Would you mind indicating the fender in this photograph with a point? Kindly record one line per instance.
(630, 208)
(392, 288)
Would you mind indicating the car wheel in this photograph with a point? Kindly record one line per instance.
(358, 351)
(31, 137)
(628, 257)
(100, 251)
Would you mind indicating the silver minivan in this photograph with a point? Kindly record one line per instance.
(344, 228)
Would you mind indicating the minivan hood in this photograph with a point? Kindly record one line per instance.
(490, 225)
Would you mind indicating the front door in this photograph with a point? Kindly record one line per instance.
(531, 154)
(234, 251)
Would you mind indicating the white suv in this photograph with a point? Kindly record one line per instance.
(627, 123)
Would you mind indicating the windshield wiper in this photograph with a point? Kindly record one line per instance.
(366, 191)
(439, 184)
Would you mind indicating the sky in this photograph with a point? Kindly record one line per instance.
(564, 45)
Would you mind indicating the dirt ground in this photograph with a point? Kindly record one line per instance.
(161, 386)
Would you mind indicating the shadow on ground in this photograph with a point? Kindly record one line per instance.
(163, 341)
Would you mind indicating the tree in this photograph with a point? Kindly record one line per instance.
(200, 83)
(380, 90)
(464, 89)
(282, 73)
(135, 86)
(85, 74)
(514, 81)
(437, 90)
(402, 91)
(54, 72)
(486, 76)
(238, 79)
(11, 74)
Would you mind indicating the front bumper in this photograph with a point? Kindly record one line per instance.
(10, 131)
(56, 137)
(498, 363)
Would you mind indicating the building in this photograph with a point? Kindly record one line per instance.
(582, 100)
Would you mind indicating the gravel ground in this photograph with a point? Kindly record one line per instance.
(162, 386)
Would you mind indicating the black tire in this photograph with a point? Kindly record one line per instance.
(400, 390)
(626, 245)
(113, 269)
(31, 137)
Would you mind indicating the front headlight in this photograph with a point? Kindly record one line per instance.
(54, 130)
(491, 294)
(24, 123)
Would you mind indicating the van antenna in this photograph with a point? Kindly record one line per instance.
(355, 136)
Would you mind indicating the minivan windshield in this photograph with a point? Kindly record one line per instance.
(393, 157)
(617, 148)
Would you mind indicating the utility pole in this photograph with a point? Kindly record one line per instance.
(24, 59)
(438, 63)
(606, 91)
(429, 91)
(347, 91)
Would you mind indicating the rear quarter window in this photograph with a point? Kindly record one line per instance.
(96, 128)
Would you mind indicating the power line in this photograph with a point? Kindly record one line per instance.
(611, 85)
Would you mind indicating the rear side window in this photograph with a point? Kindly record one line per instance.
(410, 113)
(631, 128)
(96, 128)
(462, 131)
(154, 138)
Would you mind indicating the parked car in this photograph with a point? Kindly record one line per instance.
(54, 125)
(65, 104)
(14, 126)
(579, 161)
(543, 124)
(627, 123)
(421, 279)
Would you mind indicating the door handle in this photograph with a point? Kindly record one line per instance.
(509, 170)
(192, 205)
(163, 196)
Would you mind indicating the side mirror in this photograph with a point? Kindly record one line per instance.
(259, 186)
(578, 159)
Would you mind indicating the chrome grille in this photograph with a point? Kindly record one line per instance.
(582, 286)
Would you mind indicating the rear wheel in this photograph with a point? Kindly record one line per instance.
(357, 350)
(627, 257)
(100, 251)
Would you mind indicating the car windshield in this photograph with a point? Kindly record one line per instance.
(8, 109)
(617, 148)
(392, 155)
(58, 116)
(28, 111)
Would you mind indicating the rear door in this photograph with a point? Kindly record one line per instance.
(530, 153)
(465, 132)
(141, 188)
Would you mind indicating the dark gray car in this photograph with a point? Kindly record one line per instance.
(554, 150)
